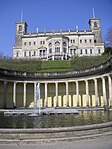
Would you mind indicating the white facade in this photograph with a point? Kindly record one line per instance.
(58, 45)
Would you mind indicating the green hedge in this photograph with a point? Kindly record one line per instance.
(53, 66)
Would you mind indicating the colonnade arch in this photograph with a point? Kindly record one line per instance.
(71, 92)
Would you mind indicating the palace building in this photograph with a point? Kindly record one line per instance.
(60, 45)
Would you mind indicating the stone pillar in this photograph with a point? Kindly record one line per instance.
(67, 95)
(77, 92)
(5, 90)
(56, 84)
(35, 99)
(46, 98)
(96, 91)
(104, 91)
(14, 95)
(24, 97)
(110, 90)
(87, 93)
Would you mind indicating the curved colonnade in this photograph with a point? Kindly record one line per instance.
(85, 88)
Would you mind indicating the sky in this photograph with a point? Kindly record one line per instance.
(50, 14)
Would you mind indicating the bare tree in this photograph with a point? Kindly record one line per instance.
(108, 38)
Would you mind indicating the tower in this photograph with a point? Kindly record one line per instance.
(21, 28)
(94, 24)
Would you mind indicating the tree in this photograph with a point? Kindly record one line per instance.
(108, 38)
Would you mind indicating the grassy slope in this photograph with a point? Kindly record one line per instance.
(52, 66)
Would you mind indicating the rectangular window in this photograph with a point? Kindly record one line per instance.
(41, 42)
(24, 43)
(80, 41)
(85, 41)
(90, 40)
(29, 43)
(34, 43)
(71, 41)
(85, 51)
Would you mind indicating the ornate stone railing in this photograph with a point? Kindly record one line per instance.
(19, 75)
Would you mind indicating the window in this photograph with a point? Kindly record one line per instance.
(29, 53)
(70, 51)
(64, 50)
(44, 52)
(64, 43)
(43, 42)
(17, 54)
(25, 54)
(29, 43)
(80, 51)
(50, 44)
(85, 51)
(40, 52)
(89, 40)
(95, 41)
(57, 43)
(57, 49)
(24, 43)
(99, 52)
(34, 53)
(90, 51)
(20, 27)
(74, 51)
(34, 43)
(80, 41)
(95, 24)
(85, 41)
(73, 41)
(50, 50)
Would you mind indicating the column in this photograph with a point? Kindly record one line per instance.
(35, 100)
(96, 91)
(56, 84)
(110, 90)
(46, 99)
(67, 94)
(24, 97)
(5, 90)
(87, 93)
(104, 91)
(77, 92)
(14, 95)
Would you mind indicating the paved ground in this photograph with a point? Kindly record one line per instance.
(97, 143)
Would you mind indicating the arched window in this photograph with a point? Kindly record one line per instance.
(91, 51)
(95, 24)
(99, 52)
(64, 43)
(20, 27)
(50, 44)
(34, 53)
(57, 43)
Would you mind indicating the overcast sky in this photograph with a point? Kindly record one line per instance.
(50, 14)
